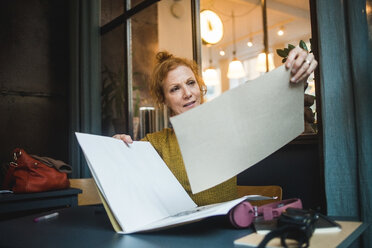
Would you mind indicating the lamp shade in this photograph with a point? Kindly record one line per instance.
(210, 76)
(236, 69)
(261, 62)
(211, 27)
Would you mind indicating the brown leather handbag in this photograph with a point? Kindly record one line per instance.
(30, 173)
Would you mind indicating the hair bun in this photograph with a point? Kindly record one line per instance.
(163, 56)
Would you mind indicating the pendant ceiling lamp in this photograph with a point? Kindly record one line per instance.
(236, 69)
(261, 62)
(210, 75)
(211, 27)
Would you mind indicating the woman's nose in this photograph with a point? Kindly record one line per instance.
(187, 93)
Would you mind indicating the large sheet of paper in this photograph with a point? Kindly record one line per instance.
(139, 189)
(227, 135)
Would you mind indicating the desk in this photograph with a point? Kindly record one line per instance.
(88, 226)
(15, 203)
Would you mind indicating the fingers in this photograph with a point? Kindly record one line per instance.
(124, 137)
(307, 73)
(303, 64)
(295, 57)
(305, 69)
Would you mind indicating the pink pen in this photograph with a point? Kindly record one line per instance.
(46, 217)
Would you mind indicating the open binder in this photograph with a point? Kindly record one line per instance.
(138, 190)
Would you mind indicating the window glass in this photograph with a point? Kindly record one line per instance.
(110, 9)
(165, 25)
(144, 44)
(288, 22)
(113, 82)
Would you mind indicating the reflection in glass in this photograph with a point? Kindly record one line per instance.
(110, 9)
(162, 26)
(144, 44)
(113, 82)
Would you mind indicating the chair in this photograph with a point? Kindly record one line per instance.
(90, 194)
(270, 190)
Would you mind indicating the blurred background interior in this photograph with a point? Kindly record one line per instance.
(239, 31)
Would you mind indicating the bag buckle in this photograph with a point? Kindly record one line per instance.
(16, 155)
(255, 209)
(13, 164)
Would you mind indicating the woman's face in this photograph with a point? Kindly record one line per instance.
(181, 90)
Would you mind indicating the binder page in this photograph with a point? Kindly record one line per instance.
(136, 183)
(199, 213)
(234, 131)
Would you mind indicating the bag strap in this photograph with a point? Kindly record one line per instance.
(57, 164)
(282, 233)
(273, 210)
(9, 178)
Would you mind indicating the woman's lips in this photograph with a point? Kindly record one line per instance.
(189, 104)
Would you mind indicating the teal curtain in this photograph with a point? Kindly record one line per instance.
(345, 53)
(85, 83)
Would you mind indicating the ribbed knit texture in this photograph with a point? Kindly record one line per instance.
(165, 143)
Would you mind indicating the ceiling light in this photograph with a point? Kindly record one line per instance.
(211, 27)
(261, 62)
(281, 31)
(210, 75)
(236, 69)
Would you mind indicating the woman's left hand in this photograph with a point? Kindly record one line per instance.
(302, 63)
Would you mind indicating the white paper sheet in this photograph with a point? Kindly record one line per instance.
(137, 185)
(227, 135)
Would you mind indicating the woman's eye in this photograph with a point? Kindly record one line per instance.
(192, 82)
(174, 89)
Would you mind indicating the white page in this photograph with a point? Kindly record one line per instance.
(195, 214)
(227, 135)
(136, 183)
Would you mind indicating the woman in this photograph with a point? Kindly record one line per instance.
(177, 83)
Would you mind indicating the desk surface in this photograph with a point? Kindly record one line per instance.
(89, 226)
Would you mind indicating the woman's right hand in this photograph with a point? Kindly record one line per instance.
(124, 137)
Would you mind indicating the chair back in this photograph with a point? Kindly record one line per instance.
(90, 195)
(269, 190)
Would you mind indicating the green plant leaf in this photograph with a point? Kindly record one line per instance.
(281, 53)
(303, 45)
(290, 47)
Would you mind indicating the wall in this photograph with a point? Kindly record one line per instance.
(175, 34)
(34, 78)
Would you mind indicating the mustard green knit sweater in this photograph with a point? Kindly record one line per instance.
(165, 143)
